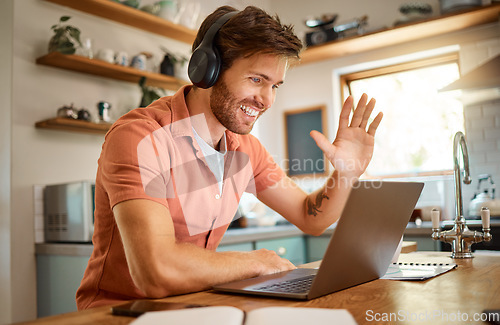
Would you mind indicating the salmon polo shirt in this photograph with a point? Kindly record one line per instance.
(151, 153)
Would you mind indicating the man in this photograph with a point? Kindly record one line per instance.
(170, 175)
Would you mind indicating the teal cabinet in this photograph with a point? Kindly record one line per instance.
(424, 243)
(241, 247)
(316, 247)
(60, 267)
(58, 278)
(291, 248)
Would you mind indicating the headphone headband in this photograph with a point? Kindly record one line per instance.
(205, 63)
(209, 36)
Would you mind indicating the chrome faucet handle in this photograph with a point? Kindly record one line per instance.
(485, 220)
(435, 217)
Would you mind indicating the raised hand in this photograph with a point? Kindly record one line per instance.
(352, 149)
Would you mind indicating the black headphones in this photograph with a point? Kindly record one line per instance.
(205, 63)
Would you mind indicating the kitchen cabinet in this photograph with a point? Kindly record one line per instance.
(240, 247)
(401, 34)
(59, 271)
(58, 278)
(292, 248)
(424, 243)
(60, 266)
(421, 234)
(316, 247)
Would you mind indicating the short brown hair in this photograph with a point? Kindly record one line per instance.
(249, 32)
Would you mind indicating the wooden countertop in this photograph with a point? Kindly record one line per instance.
(464, 292)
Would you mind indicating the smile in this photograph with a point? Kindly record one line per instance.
(249, 111)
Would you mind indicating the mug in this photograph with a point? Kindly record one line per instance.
(121, 58)
(106, 55)
(139, 62)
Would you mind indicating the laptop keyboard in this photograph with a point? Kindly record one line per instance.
(298, 285)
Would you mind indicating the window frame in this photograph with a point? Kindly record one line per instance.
(345, 89)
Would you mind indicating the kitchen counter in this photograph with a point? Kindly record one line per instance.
(252, 234)
(232, 236)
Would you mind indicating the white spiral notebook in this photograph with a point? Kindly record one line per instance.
(419, 266)
(416, 271)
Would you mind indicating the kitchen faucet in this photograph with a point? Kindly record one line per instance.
(460, 236)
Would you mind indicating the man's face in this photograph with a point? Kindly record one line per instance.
(246, 90)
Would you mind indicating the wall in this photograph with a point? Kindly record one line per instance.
(482, 118)
(6, 27)
(483, 140)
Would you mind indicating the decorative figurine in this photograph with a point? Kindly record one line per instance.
(103, 108)
(67, 112)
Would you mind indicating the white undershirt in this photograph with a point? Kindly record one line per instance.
(214, 158)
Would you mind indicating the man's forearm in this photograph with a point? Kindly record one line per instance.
(189, 268)
(324, 206)
(161, 266)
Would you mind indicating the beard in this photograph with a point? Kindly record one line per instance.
(226, 109)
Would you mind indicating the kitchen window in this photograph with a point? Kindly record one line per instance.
(416, 134)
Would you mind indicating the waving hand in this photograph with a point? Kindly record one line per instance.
(352, 149)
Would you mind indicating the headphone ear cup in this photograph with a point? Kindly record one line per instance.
(215, 68)
(204, 66)
(205, 63)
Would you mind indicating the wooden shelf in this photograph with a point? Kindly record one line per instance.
(125, 15)
(133, 17)
(401, 34)
(67, 124)
(109, 70)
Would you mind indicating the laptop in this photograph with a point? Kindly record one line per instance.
(360, 249)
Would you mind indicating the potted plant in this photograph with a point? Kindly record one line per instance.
(149, 94)
(66, 37)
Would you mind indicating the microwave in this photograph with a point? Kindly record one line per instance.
(69, 212)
